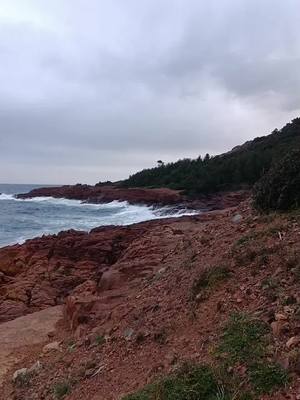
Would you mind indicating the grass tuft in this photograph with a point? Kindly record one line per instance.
(61, 389)
(190, 383)
(244, 339)
(100, 340)
(210, 278)
(244, 343)
(267, 377)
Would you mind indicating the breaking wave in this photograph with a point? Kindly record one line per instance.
(23, 219)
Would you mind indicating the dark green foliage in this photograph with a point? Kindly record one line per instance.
(279, 189)
(239, 168)
(244, 339)
(61, 389)
(266, 377)
(190, 383)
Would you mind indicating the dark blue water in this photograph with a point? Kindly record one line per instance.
(25, 219)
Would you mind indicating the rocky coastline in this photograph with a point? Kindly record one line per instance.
(98, 315)
(153, 197)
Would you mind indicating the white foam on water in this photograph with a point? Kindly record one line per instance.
(64, 202)
(144, 211)
(4, 196)
(54, 215)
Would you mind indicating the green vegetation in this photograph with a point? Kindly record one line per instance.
(242, 167)
(266, 377)
(279, 189)
(244, 339)
(100, 340)
(245, 342)
(190, 383)
(24, 379)
(210, 278)
(250, 248)
(61, 389)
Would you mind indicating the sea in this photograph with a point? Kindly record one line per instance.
(26, 219)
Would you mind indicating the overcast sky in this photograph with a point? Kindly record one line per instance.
(97, 89)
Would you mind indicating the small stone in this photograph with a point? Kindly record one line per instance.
(161, 271)
(288, 310)
(35, 367)
(54, 346)
(280, 317)
(89, 372)
(293, 341)
(19, 373)
(237, 219)
(277, 272)
(279, 327)
(128, 333)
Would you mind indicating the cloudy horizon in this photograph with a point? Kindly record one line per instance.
(98, 90)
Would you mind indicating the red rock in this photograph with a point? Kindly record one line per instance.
(280, 317)
(160, 196)
(78, 310)
(108, 193)
(279, 327)
(293, 341)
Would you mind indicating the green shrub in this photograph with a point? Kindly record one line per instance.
(61, 389)
(190, 383)
(279, 188)
(266, 377)
(244, 339)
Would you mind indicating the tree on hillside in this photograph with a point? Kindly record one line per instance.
(233, 170)
(279, 188)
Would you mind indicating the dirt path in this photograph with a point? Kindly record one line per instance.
(25, 331)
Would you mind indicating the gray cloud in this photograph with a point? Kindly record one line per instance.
(99, 89)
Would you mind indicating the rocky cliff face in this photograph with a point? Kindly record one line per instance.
(44, 271)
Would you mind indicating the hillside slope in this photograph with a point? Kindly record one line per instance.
(220, 290)
(241, 167)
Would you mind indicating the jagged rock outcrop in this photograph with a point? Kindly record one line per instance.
(44, 271)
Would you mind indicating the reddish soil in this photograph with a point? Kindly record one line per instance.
(130, 312)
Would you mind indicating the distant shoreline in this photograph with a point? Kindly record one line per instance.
(159, 197)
